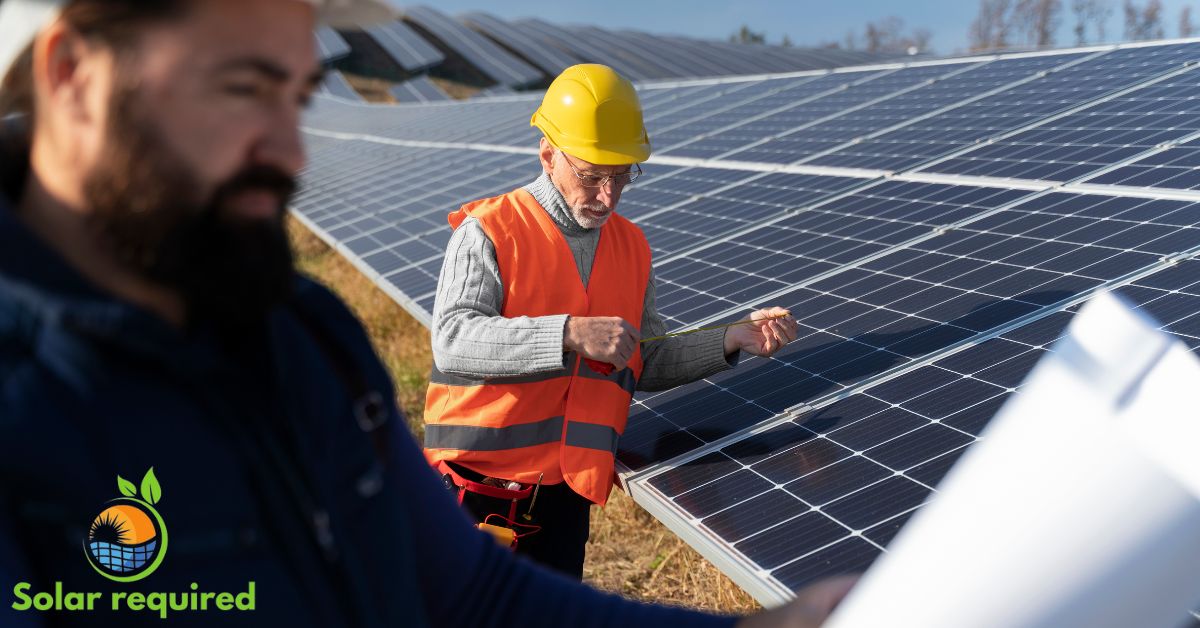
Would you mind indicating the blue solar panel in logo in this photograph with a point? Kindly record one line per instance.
(122, 558)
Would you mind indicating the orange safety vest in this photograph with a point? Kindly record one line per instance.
(564, 423)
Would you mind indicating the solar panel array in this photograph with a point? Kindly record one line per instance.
(405, 46)
(330, 45)
(335, 84)
(419, 89)
(498, 64)
(933, 225)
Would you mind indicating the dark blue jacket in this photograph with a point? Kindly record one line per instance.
(266, 474)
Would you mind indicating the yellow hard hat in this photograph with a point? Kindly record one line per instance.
(591, 113)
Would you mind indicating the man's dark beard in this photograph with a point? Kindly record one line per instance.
(148, 207)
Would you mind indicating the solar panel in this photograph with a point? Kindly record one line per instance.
(419, 89)
(631, 67)
(330, 45)
(1176, 168)
(1084, 79)
(826, 491)
(405, 46)
(550, 59)
(923, 297)
(497, 63)
(794, 145)
(1103, 134)
(335, 84)
(757, 128)
(752, 101)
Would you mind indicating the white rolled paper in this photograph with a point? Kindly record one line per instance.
(1080, 506)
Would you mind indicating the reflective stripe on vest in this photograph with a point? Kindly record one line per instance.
(498, 426)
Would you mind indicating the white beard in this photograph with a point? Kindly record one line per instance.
(586, 219)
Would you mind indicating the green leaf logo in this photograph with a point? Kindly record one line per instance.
(151, 491)
(127, 487)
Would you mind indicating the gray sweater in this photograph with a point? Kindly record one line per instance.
(471, 338)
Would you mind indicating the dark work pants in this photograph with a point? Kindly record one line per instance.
(564, 515)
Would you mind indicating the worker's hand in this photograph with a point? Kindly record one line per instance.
(606, 339)
(812, 606)
(762, 338)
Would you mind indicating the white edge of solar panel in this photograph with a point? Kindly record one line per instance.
(927, 62)
(759, 584)
(493, 148)
(975, 181)
(409, 304)
(754, 166)
(1165, 194)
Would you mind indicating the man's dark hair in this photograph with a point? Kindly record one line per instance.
(113, 23)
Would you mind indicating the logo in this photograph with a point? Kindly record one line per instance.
(127, 541)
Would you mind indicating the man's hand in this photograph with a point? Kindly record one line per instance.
(763, 337)
(606, 339)
(812, 606)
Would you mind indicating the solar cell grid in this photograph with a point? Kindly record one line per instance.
(755, 100)
(751, 198)
(795, 145)
(1102, 135)
(1176, 168)
(1011, 109)
(814, 495)
(915, 301)
(752, 265)
(790, 116)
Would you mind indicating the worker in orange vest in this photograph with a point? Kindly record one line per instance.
(544, 296)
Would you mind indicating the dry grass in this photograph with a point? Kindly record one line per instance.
(629, 553)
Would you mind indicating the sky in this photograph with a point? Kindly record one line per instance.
(805, 22)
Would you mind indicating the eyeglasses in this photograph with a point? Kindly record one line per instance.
(600, 180)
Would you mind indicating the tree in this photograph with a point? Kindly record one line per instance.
(1185, 23)
(1143, 23)
(888, 36)
(747, 36)
(850, 42)
(991, 28)
(1090, 13)
(1036, 21)
(787, 41)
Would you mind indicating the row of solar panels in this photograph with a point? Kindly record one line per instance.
(932, 225)
(524, 53)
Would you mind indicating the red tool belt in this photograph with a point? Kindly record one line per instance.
(470, 486)
(506, 530)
